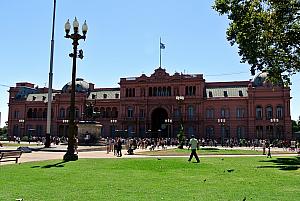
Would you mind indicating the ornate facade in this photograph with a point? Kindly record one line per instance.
(149, 106)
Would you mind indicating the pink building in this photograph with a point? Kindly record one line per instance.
(155, 106)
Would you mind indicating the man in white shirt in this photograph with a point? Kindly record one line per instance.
(193, 144)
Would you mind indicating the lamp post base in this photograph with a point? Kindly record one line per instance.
(70, 157)
(47, 143)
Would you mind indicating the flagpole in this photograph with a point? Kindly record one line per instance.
(160, 52)
(48, 129)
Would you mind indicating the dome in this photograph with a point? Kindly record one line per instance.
(260, 79)
(80, 86)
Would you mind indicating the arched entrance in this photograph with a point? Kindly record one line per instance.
(158, 126)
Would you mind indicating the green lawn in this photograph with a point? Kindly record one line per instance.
(206, 151)
(202, 151)
(32, 144)
(253, 178)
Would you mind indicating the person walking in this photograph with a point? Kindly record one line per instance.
(193, 144)
(269, 151)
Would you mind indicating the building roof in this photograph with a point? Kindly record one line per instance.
(104, 94)
(80, 86)
(220, 92)
(39, 97)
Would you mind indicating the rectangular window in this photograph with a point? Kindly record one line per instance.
(279, 112)
(240, 112)
(209, 113)
(16, 115)
(258, 113)
(130, 113)
(142, 115)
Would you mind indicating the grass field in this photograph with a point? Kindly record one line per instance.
(250, 178)
(33, 144)
(206, 151)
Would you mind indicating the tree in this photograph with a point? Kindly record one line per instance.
(181, 137)
(3, 131)
(267, 33)
(295, 126)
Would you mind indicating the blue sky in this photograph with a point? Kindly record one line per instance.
(122, 41)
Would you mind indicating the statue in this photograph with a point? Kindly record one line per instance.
(89, 112)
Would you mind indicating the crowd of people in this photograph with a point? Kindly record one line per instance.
(130, 144)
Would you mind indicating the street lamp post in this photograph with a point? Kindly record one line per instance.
(222, 122)
(274, 121)
(75, 37)
(180, 99)
(65, 123)
(168, 122)
(113, 122)
(21, 121)
(180, 135)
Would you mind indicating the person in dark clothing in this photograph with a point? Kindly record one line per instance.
(269, 151)
(119, 147)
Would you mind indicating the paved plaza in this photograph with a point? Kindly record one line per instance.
(58, 151)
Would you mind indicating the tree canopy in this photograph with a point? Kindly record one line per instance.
(267, 33)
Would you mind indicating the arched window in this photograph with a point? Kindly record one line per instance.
(210, 132)
(169, 91)
(240, 132)
(45, 113)
(114, 112)
(194, 90)
(190, 90)
(150, 91)
(190, 111)
(68, 113)
(40, 113)
(259, 132)
(191, 131)
(176, 113)
(108, 112)
(279, 112)
(210, 113)
(240, 112)
(225, 113)
(34, 114)
(130, 112)
(155, 91)
(102, 112)
(130, 92)
(258, 112)
(29, 113)
(62, 113)
(16, 131)
(269, 112)
(186, 90)
(159, 93)
(16, 114)
(164, 91)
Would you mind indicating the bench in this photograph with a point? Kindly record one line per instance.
(10, 156)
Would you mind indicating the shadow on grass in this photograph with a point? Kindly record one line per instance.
(282, 163)
(210, 149)
(56, 165)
